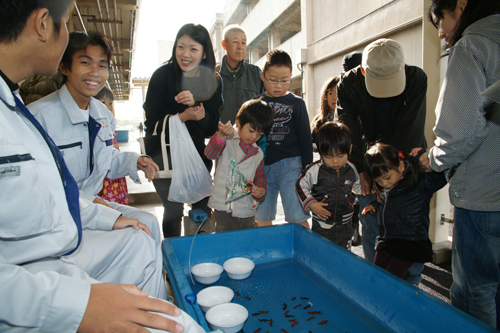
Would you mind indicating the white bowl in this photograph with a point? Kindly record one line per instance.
(213, 296)
(228, 317)
(239, 268)
(207, 273)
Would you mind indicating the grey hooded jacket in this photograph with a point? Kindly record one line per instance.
(468, 124)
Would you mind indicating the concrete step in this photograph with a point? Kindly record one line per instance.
(144, 198)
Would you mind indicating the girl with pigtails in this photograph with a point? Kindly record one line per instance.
(403, 211)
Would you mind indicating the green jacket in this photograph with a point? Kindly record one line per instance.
(238, 87)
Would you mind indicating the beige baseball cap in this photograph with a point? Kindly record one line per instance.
(384, 65)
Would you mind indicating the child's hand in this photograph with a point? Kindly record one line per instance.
(225, 130)
(367, 209)
(258, 192)
(319, 211)
(414, 151)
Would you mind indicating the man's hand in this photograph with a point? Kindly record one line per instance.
(367, 209)
(414, 151)
(258, 192)
(101, 201)
(424, 162)
(319, 211)
(123, 222)
(114, 307)
(149, 167)
(366, 187)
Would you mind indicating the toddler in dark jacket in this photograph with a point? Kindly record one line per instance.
(403, 213)
(327, 187)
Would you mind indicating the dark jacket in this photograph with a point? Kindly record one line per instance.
(160, 102)
(239, 87)
(408, 114)
(405, 215)
(318, 180)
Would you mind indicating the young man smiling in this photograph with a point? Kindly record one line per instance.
(82, 128)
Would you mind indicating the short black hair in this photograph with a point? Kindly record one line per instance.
(258, 114)
(351, 60)
(277, 58)
(105, 93)
(333, 136)
(79, 40)
(15, 14)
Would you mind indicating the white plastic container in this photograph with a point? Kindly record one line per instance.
(239, 268)
(207, 273)
(212, 296)
(228, 317)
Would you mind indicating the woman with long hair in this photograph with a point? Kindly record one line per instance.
(467, 139)
(186, 85)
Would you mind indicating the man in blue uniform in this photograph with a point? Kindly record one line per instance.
(82, 128)
(40, 223)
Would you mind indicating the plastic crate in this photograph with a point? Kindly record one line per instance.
(367, 297)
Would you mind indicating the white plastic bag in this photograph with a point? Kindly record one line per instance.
(191, 181)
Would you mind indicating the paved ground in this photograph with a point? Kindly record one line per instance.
(436, 278)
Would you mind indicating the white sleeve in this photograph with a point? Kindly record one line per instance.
(96, 216)
(42, 302)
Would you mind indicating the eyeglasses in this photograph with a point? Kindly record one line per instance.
(274, 81)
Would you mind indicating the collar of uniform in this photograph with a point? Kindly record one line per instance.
(73, 110)
(6, 94)
(12, 86)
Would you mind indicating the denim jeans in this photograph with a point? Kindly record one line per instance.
(414, 274)
(476, 264)
(369, 226)
(281, 178)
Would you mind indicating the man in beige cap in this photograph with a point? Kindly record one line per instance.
(383, 100)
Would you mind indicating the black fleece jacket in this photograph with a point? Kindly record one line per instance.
(408, 113)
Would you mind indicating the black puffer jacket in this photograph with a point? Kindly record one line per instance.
(336, 187)
(405, 215)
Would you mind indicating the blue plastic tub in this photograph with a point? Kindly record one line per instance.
(122, 135)
(305, 283)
